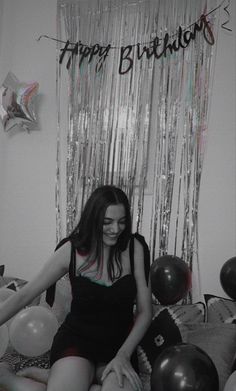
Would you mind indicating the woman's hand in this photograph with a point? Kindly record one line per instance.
(122, 367)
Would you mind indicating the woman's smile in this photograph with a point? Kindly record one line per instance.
(113, 224)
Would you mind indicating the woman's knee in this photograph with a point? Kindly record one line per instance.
(76, 372)
(111, 383)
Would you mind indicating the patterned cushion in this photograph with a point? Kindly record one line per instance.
(217, 340)
(15, 284)
(12, 282)
(164, 330)
(18, 362)
(220, 310)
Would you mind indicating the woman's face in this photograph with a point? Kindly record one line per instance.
(113, 224)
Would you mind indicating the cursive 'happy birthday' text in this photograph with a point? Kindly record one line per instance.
(157, 48)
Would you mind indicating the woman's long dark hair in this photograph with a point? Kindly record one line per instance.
(88, 234)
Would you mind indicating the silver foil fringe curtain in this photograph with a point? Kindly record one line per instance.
(144, 130)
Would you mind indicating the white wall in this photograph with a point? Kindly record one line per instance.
(217, 216)
(27, 161)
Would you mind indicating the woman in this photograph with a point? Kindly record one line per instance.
(94, 349)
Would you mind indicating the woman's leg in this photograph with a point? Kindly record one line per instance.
(9, 381)
(35, 373)
(94, 387)
(111, 383)
(71, 374)
(97, 386)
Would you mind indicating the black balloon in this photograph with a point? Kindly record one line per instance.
(228, 277)
(170, 279)
(184, 367)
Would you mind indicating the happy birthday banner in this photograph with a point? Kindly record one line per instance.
(157, 48)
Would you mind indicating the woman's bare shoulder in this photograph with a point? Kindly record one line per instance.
(137, 247)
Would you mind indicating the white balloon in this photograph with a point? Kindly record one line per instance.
(4, 339)
(231, 383)
(32, 330)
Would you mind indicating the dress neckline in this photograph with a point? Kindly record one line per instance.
(103, 284)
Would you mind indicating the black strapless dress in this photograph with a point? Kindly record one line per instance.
(100, 318)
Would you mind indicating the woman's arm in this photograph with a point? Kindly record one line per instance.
(121, 362)
(144, 303)
(56, 266)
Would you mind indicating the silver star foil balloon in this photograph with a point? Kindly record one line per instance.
(17, 103)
